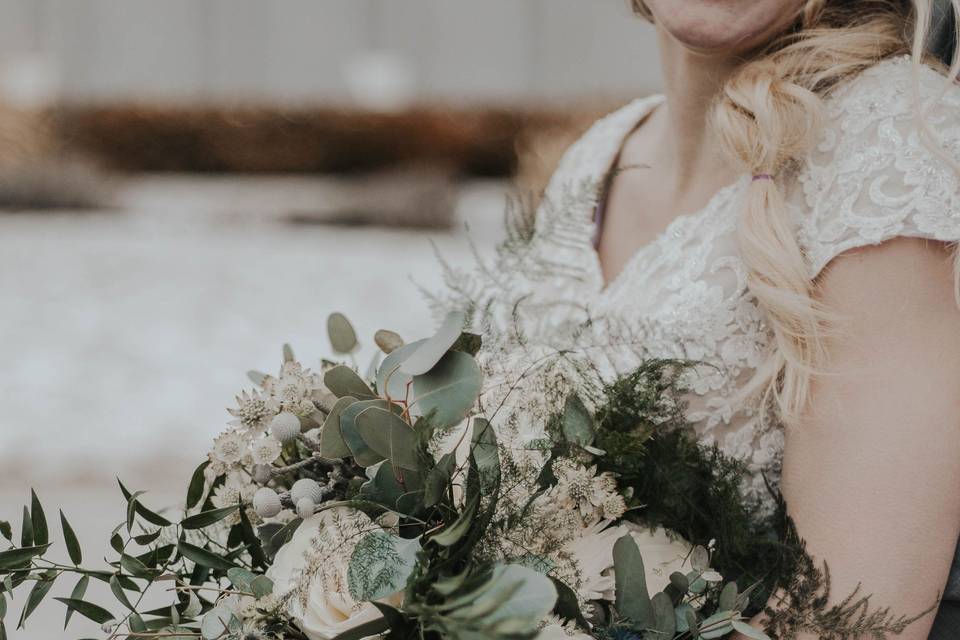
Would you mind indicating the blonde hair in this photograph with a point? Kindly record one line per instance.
(766, 118)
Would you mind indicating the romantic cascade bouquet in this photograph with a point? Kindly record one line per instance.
(466, 486)
(417, 501)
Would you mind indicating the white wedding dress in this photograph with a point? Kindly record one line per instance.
(870, 178)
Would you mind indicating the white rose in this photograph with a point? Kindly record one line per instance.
(663, 553)
(312, 570)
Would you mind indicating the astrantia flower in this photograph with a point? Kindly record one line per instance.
(265, 450)
(578, 487)
(294, 388)
(310, 574)
(253, 411)
(614, 506)
(229, 448)
(234, 490)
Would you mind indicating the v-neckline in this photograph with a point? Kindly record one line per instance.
(606, 164)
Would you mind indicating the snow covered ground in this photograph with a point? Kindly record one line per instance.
(124, 334)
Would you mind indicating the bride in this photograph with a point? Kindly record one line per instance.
(786, 214)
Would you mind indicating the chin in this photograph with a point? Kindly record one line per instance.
(723, 26)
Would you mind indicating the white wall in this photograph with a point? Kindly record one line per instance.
(293, 50)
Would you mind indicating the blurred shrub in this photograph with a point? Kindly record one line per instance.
(477, 142)
(35, 173)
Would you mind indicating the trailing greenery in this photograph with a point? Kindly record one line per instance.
(675, 482)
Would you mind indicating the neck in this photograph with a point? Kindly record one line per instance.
(692, 81)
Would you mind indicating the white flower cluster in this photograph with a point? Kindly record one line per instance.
(568, 526)
(581, 489)
(250, 612)
(265, 418)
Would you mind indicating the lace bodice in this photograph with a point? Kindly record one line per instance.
(684, 295)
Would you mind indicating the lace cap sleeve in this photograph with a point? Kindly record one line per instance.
(872, 177)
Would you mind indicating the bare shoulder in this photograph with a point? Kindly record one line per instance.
(895, 306)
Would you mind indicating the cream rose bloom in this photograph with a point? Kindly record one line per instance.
(310, 573)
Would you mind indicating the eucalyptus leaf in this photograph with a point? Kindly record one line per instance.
(577, 422)
(380, 566)
(700, 558)
(219, 623)
(632, 599)
(398, 490)
(449, 391)
(745, 629)
(484, 451)
(261, 586)
(240, 578)
(391, 381)
(685, 614)
(533, 597)
(428, 354)
(728, 597)
(343, 381)
(343, 338)
(680, 582)
(665, 621)
(455, 532)
(359, 449)
(388, 341)
(717, 625)
(692, 627)
(388, 435)
(332, 444)
(438, 480)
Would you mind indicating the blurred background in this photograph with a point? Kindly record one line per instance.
(185, 185)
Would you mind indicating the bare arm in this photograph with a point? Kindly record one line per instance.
(872, 476)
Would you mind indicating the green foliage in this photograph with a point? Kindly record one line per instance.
(449, 391)
(633, 601)
(389, 436)
(380, 565)
(342, 336)
(426, 356)
(803, 603)
(683, 486)
(344, 381)
(332, 444)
